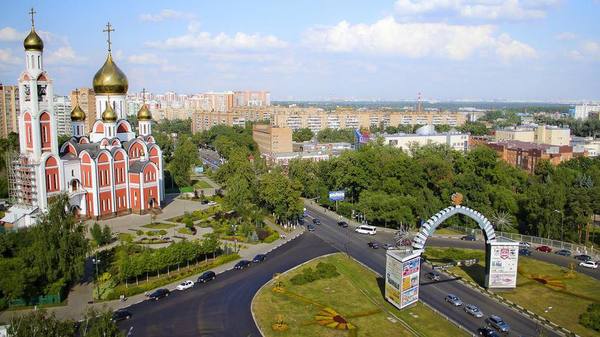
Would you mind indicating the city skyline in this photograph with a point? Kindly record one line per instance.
(449, 50)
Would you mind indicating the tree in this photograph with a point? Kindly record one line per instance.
(336, 135)
(40, 324)
(474, 128)
(99, 324)
(302, 135)
(184, 158)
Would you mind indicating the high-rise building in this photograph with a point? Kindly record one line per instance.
(9, 109)
(583, 111)
(251, 98)
(86, 99)
(272, 139)
(62, 109)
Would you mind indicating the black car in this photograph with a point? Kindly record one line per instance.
(583, 257)
(343, 224)
(316, 221)
(525, 252)
(206, 276)
(120, 315)
(259, 258)
(373, 245)
(434, 276)
(563, 252)
(310, 227)
(487, 332)
(242, 264)
(468, 238)
(158, 294)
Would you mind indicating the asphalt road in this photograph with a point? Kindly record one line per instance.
(432, 293)
(563, 261)
(220, 307)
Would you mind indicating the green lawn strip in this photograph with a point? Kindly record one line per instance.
(447, 231)
(159, 225)
(126, 237)
(569, 297)
(349, 294)
(200, 184)
(185, 230)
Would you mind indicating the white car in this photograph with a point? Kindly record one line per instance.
(366, 229)
(524, 244)
(185, 285)
(589, 264)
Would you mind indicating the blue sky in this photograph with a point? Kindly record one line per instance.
(346, 49)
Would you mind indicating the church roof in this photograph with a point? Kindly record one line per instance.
(138, 166)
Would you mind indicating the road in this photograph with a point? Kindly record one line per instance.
(562, 261)
(220, 307)
(432, 293)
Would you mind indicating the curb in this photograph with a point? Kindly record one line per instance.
(515, 307)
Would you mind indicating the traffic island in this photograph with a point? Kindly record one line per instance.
(336, 296)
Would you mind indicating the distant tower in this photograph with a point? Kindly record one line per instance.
(77, 119)
(110, 84)
(419, 103)
(144, 118)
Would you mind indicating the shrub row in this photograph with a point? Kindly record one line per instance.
(323, 270)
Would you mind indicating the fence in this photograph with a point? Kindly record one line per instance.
(534, 240)
(48, 299)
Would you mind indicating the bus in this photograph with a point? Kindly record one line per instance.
(366, 229)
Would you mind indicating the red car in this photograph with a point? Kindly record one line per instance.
(544, 249)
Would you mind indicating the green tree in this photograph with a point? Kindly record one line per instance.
(39, 324)
(99, 324)
(302, 135)
(474, 128)
(184, 159)
(336, 135)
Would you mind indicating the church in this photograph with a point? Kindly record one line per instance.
(109, 171)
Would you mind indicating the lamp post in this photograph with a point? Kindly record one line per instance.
(96, 261)
(562, 218)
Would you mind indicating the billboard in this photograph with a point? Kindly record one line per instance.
(336, 195)
(503, 259)
(402, 278)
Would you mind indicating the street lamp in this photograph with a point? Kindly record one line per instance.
(96, 261)
(562, 218)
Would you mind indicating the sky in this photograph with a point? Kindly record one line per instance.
(520, 50)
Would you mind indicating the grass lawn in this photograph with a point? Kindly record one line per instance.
(200, 184)
(539, 285)
(185, 230)
(354, 294)
(447, 231)
(126, 237)
(159, 225)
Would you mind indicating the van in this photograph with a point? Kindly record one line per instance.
(366, 229)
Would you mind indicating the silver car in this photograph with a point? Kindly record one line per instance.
(454, 300)
(473, 310)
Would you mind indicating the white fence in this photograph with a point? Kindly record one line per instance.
(534, 240)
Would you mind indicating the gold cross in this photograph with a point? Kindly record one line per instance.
(32, 12)
(144, 95)
(107, 31)
(77, 95)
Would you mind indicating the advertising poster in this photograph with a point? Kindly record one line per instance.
(410, 281)
(336, 195)
(411, 266)
(402, 278)
(393, 278)
(503, 266)
(410, 296)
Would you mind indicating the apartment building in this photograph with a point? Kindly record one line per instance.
(86, 98)
(583, 111)
(427, 135)
(542, 134)
(272, 139)
(251, 98)
(9, 109)
(62, 109)
(204, 120)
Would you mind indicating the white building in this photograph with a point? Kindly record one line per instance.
(62, 109)
(426, 135)
(590, 144)
(583, 111)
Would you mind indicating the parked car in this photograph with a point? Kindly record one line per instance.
(468, 238)
(242, 264)
(206, 276)
(525, 252)
(498, 323)
(259, 258)
(589, 264)
(487, 332)
(373, 244)
(544, 249)
(366, 229)
(563, 252)
(454, 300)
(185, 285)
(434, 276)
(158, 294)
(524, 244)
(316, 221)
(388, 246)
(473, 310)
(583, 257)
(310, 227)
(120, 315)
(343, 224)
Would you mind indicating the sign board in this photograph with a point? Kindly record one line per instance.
(503, 259)
(336, 195)
(199, 169)
(402, 278)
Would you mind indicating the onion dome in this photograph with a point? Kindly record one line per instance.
(110, 79)
(109, 115)
(77, 114)
(144, 113)
(33, 41)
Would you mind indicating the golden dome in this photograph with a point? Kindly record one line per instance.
(33, 41)
(110, 79)
(109, 115)
(144, 114)
(77, 115)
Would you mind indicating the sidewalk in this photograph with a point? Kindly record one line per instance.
(82, 293)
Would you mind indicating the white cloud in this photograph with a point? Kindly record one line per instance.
(11, 34)
(64, 55)
(153, 60)
(221, 41)
(479, 9)
(7, 57)
(589, 50)
(166, 14)
(565, 36)
(416, 40)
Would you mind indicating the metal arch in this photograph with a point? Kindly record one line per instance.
(429, 227)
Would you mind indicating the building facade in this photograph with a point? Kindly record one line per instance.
(583, 111)
(86, 99)
(542, 134)
(272, 139)
(427, 135)
(9, 109)
(62, 108)
(107, 172)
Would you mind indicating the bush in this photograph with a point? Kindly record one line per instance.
(162, 232)
(271, 238)
(308, 275)
(262, 233)
(591, 318)
(139, 232)
(101, 235)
